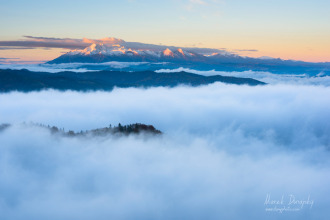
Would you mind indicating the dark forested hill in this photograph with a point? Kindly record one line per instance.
(130, 129)
(24, 80)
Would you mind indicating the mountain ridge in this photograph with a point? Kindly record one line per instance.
(26, 81)
(200, 58)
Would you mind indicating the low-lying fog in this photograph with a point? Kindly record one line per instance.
(224, 149)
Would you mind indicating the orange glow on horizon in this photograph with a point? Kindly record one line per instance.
(26, 56)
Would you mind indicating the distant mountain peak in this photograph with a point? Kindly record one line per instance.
(181, 51)
(168, 52)
(103, 49)
(94, 49)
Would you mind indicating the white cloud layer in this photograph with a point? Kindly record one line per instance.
(74, 67)
(267, 77)
(224, 149)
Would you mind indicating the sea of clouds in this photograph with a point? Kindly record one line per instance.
(267, 77)
(224, 149)
(77, 67)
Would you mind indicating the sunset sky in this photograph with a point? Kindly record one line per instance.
(289, 29)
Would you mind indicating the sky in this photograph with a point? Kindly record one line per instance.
(289, 29)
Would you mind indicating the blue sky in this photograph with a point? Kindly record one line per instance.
(290, 29)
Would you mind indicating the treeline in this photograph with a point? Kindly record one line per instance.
(120, 129)
(136, 128)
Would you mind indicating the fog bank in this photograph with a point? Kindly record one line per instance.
(224, 149)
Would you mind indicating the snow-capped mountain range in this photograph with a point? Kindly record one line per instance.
(171, 57)
(120, 50)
